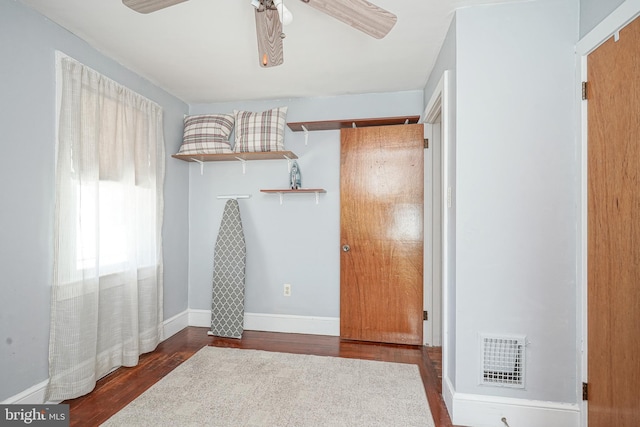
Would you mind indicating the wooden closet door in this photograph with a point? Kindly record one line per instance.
(614, 231)
(381, 222)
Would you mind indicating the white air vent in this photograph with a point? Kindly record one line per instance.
(502, 361)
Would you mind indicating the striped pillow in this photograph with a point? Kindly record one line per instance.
(260, 131)
(207, 134)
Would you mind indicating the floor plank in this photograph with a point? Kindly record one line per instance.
(117, 389)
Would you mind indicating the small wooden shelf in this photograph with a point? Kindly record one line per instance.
(229, 157)
(347, 123)
(299, 190)
(283, 191)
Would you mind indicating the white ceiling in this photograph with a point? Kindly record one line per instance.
(205, 51)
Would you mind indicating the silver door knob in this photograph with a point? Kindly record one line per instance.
(346, 248)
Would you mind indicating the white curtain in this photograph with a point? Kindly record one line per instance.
(106, 302)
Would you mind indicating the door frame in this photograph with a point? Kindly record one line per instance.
(618, 19)
(433, 200)
(439, 106)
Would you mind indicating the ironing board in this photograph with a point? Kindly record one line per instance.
(227, 307)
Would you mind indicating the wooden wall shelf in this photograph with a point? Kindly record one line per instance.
(347, 123)
(230, 157)
(283, 191)
(299, 190)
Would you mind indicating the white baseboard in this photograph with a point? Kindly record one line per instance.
(465, 409)
(34, 395)
(487, 411)
(292, 324)
(200, 318)
(276, 323)
(252, 322)
(175, 324)
(447, 394)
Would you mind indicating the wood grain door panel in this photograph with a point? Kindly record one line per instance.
(614, 231)
(381, 219)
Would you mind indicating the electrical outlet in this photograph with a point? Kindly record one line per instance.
(287, 290)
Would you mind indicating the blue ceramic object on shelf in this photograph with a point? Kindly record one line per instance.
(295, 177)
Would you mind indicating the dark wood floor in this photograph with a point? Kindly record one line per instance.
(116, 390)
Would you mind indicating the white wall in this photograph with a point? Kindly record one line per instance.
(297, 242)
(446, 60)
(516, 192)
(592, 12)
(27, 107)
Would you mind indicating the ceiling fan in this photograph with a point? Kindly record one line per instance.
(271, 15)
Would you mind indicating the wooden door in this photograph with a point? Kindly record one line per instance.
(381, 223)
(614, 231)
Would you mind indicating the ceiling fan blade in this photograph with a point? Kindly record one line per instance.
(268, 31)
(359, 14)
(148, 6)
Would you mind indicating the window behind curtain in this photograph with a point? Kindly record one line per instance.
(106, 306)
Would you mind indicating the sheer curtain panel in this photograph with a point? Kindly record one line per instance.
(106, 300)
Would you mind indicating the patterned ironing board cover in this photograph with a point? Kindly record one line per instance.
(227, 307)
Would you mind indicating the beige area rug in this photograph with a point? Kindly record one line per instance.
(233, 387)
